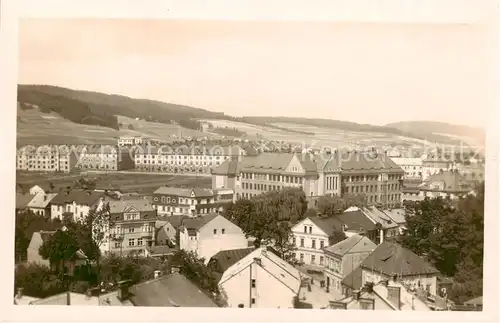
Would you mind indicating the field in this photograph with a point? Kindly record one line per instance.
(126, 182)
(35, 127)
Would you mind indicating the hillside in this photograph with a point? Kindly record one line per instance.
(355, 127)
(440, 128)
(110, 104)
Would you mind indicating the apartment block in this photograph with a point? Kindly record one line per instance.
(47, 158)
(105, 158)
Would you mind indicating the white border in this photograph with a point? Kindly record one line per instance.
(402, 11)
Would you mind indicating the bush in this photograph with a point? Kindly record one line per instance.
(37, 281)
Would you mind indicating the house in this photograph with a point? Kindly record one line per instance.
(224, 259)
(159, 251)
(170, 290)
(356, 222)
(38, 189)
(343, 257)
(132, 227)
(397, 216)
(105, 158)
(77, 203)
(412, 166)
(385, 295)
(210, 234)
(411, 191)
(167, 229)
(388, 228)
(391, 260)
(313, 234)
(40, 203)
(446, 184)
(192, 202)
(261, 279)
(79, 260)
(434, 165)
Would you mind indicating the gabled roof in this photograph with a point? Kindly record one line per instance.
(390, 258)
(328, 225)
(138, 204)
(379, 217)
(81, 197)
(22, 200)
(354, 161)
(197, 223)
(353, 244)
(452, 180)
(354, 279)
(41, 200)
(356, 221)
(227, 258)
(397, 215)
(281, 270)
(173, 290)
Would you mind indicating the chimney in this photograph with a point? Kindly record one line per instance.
(257, 261)
(20, 292)
(394, 296)
(68, 298)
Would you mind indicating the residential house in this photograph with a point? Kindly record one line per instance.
(38, 189)
(221, 261)
(161, 252)
(398, 216)
(446, 184)
(167, 229)
(210, 234)
(343, 257)
(411, 191)
(129, 141)
(184, 159)
(75, 203)
(70, 266)
(261, 279)
(192, 201)
(41, 203)
(385, 295)
(412, 166)
(132, 227)
(388, 228)
(46, 158)
(390, 260)
(311, 235)
(435, 165)
(354, 221)
(105, 158)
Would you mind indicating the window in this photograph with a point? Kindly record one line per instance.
(253, 283)
(118, 244)
(223, 231)
(321, 244)
(130, 230)
(313, 259)
(139, 242)
(301, 242)
(313, 244)
(294, 241)
(321, 260)
(305, 229)
(310, 229)
(130, 242)
(302, 257)
(253, 300)
(215, 231)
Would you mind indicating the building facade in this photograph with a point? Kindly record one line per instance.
(47, 158)
(132, 229)
(170, 201)
(413, 167)
(210, 234)
(435, 165)
(446, 184)
(75, 203)
(261, 280)
(343, 257)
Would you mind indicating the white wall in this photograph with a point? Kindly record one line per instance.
(316, 234)
(268, 291)
(375, 277)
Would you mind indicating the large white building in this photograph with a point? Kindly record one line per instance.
(47, 158)
(76, 203)
(261, 280)
(210, 234)
(412, 166)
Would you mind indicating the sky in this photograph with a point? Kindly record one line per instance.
(362, 72)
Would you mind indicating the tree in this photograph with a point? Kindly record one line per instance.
(37, 281)
(59, 248)
(329, 205)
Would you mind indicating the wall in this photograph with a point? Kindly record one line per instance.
(32, 252)
(210, 243)
(375, 277)
(239, 291)
(316, 234)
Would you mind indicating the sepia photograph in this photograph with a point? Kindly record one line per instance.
(250, 164)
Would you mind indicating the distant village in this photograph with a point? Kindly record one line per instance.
(349, 259)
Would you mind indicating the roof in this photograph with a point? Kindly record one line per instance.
(475, 301)
(391, 258)
(406, 161)
(352, 244)
(328, 225)
(173, 290)
(121, 206)
(278, 268)
(184, 192)
(41, 200)
(356, 221)
(452, 181)
(22, 200)
(199, 222)
(111, 299)
(380, 217)
(227, 258)
(228, 167)
(81, 197)
(175, 220)
(161, 250)
(355, 279)
(355, 161)
(397, 215)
